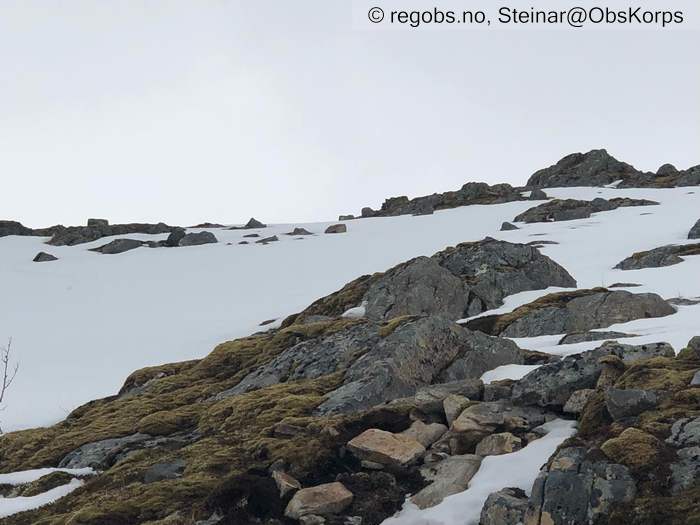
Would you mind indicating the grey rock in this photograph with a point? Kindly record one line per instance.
(569, 312)
(578, 490)
(81, 234)
(118, 246)
(254, 223)
(665, 170)
(537, 195)
(686, 471)
(163, 471)
(8, 228)
(498, 390)
(505, 507)
(659, 257)
(498, 444)
(299, 231)
(196, 239)
(622, 403)
(267, 240)
(175, 237)
(103, 454)
(447, 477)
(424, 207)
(696, 379)
(336, 228)
(368, 212)
(685, 432)
(44, 257)
(580, 337)
(346, 217)
(507, 226)
(695, 231)
(571, 209)
(577, 400)
(329, 498)
(98, 222)
(453, 405)
(552, 385)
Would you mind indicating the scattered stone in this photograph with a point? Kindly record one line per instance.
(285, 483)
(425, 434)
(622, 403)
(447, 477)
(659, 257)
(505, 507)
(337, 228)
(498, 444)
(254, 223)
(577, 400)
(163, 471)
(580, 337)
(453, 405)
(299, 231)
(118, 246)
(267, 240)
(196, 239)
(175, 237)
(44, 257)
(329, 498)
(507, 226)
(386, 448)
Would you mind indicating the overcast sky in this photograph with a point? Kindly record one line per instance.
(185, 111)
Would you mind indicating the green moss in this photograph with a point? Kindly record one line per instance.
(390, 326)
(633, 447)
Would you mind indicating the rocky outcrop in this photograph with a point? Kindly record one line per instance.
(336, 228)
(575, 488)
(505, 507)
(552, 385)
(470, 193)
(568, 312)
(299, 231)
(581, 337)
(598, 168)
(571, 209)
(199, 238)
(81, 234)
(507, 226)
(659, 257)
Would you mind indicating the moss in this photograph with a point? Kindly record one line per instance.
(390, 326)
(633, 447)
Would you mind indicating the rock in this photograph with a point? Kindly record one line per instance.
(685, 432)
(175, 237)
(285, 483)
(196, 239)
(497, 444)
(336, 228)
(571, 209)
(243, 242)
(44, 257)
(633, 447)
(537, 195)
(447, 477)
(431, 399)
(312, 519)
(425, 434)
(266, 240)
(81, 234)
(506, 226)
(658, 257)
(666, 170)
(424, 207)
(505, 507)
(624, 285)
(686, 471)
(580, 337)
(568, 312)
(577, 400)
(299, 231)
(692, 351)
(368, 212)
(386, 448)
(574, 489)
(695, 231)
(453, 405)
(497, 390)
(208, 225)
(622, 403)
(329, 498)
(162, 471)
(118, 246)
(612, 367)
(97, 222)
(254, 223)
(696, 379)
(103, 454)
(552, 385)
(346, 217)
(14, 228)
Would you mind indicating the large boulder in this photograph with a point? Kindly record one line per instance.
(330, 498)
(568, 312)
(505, 507)
(574, 489)
(195, 239)
(386, 448)
(659, 257)
(622, 403)
(694, 232)
(446, 477)
(553, 384)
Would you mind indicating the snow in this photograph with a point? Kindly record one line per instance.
(356, 312)
(518, 469)
(81, 324)
(10, 506)
(507, 372)
(27, 476)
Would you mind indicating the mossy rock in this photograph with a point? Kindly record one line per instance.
(633, 447)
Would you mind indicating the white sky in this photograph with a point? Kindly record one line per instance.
(186, 111)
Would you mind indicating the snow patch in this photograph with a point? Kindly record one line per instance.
(9, 506)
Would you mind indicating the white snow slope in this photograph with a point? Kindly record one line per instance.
(81, 324)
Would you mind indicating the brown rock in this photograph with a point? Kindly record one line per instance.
(425, 434)
(386, 448)
(497, 444)
(454, 405)
(285, 483)
(337, 228)
(329, 498)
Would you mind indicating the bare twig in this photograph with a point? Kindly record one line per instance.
(8, 371)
